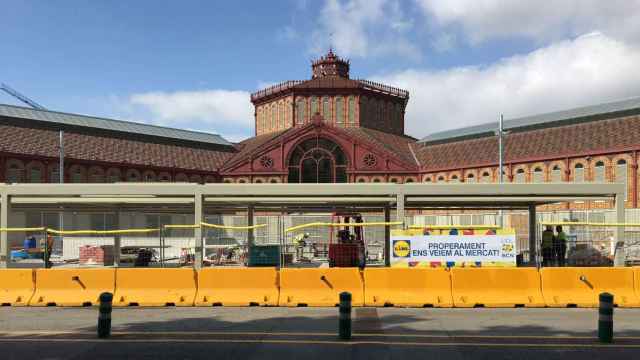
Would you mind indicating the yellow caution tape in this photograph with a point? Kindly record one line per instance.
(34, 229)
(215, 226)
(446, 227)
(101, 232)
(568, 223)
(315, 224)
(194, 226)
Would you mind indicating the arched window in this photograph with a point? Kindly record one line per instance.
(486, 177)
(427, 179)
(149, 176)
(113, 175)
(538, 175)
(471, 179)
(77, 174)
(35, 173)
(133, 175)
(96, 175)
(454, 179)
(598, 172)
(326, 109)
(621, 174)
(578, 173)
(317, 160)
(440, 178)
(556, 174)
(281, 124)
(274, 117)
(352, 111)
(339, 111)
(361, 180)
(520, 176)
(54, 173)
(300, 111)
(314, 106)
(15, 172)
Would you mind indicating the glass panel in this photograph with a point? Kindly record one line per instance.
(471, 178)
(598, 175)
(578, 173)
(352, 110)
(621, 175)
(35, 175)
(309, 171)
(556, 174)
(325, 171)
(326, 110)
(300, 112)
(274, 117)
(339, 111)
(281, 124)
(294, 175)
(314, 105)
(538, 175)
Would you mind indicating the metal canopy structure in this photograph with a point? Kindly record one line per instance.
(304, 197)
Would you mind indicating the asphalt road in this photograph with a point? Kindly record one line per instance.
(311, 333)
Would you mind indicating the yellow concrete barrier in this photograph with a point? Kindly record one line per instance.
(237, 287)
(155, 287)
(580, 286)
(72, 287)
(406, 287)
(16, 287)
(496, 287)
(320, 287)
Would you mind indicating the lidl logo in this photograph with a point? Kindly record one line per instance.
(401, 248)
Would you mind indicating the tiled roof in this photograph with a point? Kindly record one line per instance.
(580, 114)
(248, 146)
(60, 118)
(329, 82)
(43, 142)
(555, 142)
(398, 145)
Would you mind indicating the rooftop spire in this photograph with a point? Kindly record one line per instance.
(330, 65)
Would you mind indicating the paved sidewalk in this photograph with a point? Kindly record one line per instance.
(282, 333)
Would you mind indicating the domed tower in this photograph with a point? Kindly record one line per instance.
(330, 65)
(332, 96)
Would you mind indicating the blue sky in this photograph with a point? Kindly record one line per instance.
(192, 64)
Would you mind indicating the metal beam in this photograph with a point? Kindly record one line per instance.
(533, 241)
(199, 239)
(5, 253)
(619, 258)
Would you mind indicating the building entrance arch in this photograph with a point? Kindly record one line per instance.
(317, 160)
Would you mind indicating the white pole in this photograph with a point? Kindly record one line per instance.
(500, 163)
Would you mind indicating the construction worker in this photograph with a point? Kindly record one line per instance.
(547, 246)
(560, 245)
(47, 251)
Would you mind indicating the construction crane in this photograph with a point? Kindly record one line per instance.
(6, 88)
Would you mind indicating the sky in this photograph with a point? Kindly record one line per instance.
(193, 64)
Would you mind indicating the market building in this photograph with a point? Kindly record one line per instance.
(330, 128)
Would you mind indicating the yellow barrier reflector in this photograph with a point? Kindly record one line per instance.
(496, 287)
(320, 287)
(407, 287)
(155, 287)
(594, 224)
(237, 287)
(72, 287)
(16, 287)
(580, 286)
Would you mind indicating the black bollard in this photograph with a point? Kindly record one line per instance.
(605, 318)
(104, 316)
(344, 323)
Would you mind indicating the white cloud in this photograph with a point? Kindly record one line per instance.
(540, 20)
(361, 28)
(222, 109)
(587, 70)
